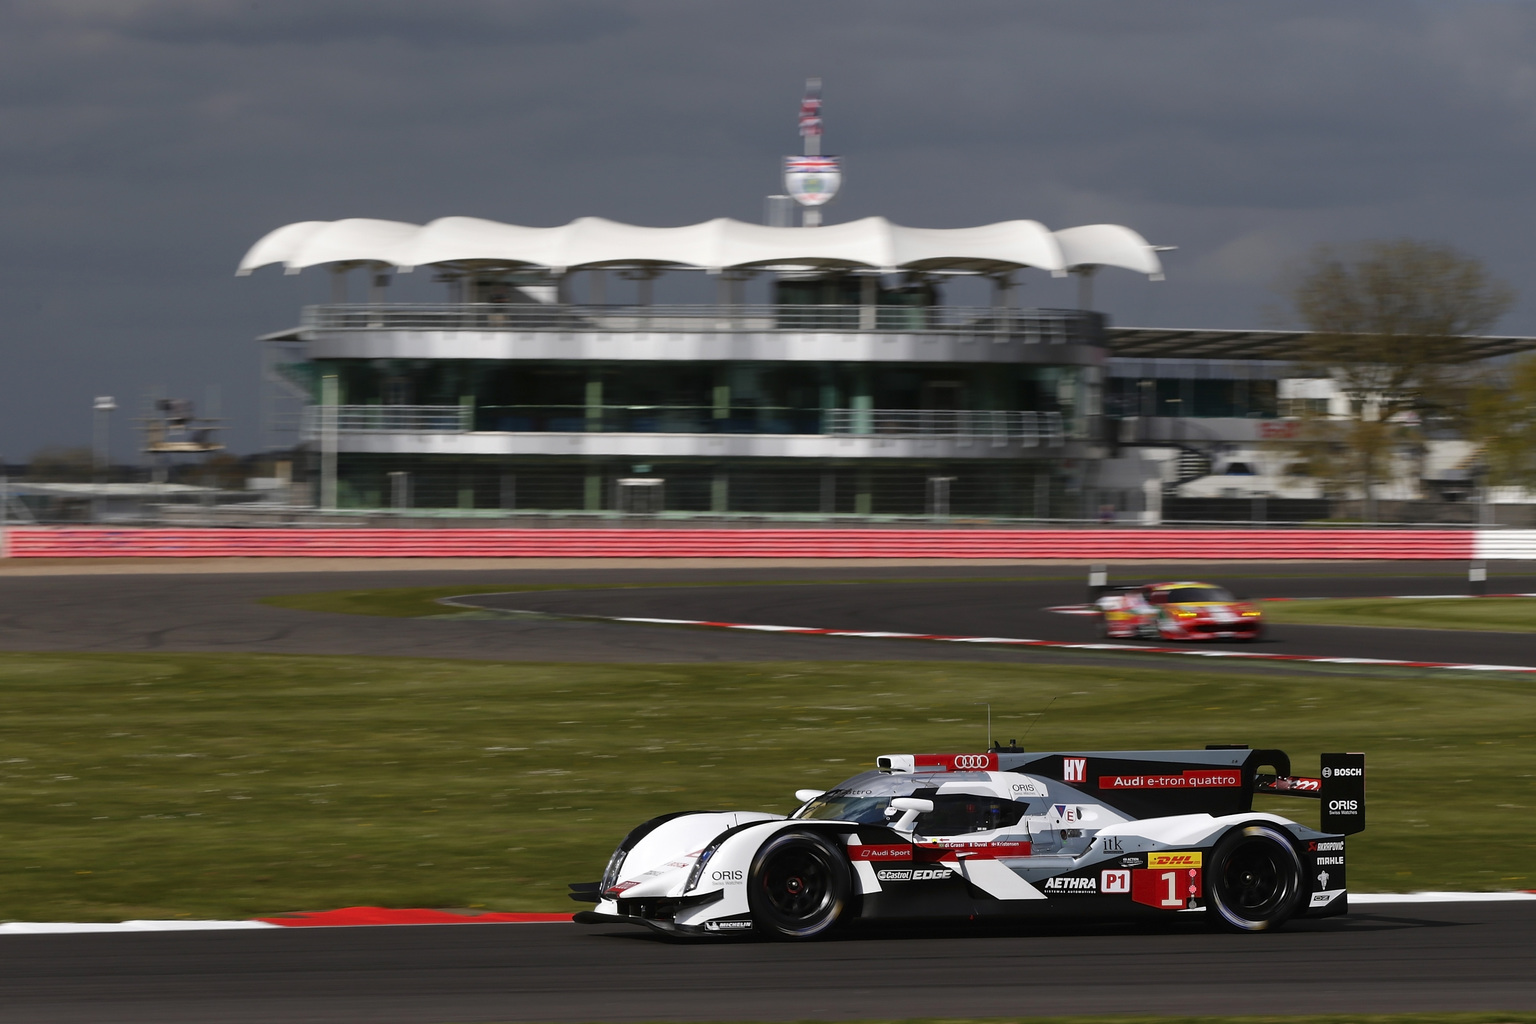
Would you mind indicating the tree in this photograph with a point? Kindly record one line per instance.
(1389, 323)
(66, 465)
(1502, 411)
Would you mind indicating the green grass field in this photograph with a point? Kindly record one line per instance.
(163, 785)
(1502, 614)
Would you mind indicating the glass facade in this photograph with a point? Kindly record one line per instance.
(693, 397)
(1189, 396)
(971, 488)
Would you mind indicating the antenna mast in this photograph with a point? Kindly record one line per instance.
(811, 179)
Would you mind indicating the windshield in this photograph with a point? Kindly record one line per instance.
(1193, 595)
(866, 810)
(862, 798)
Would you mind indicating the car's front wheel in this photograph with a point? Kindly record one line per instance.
(799, 887)
(1253, 880)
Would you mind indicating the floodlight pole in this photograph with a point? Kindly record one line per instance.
(103, 407)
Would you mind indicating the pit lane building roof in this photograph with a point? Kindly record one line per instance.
(1182, 343)
(721, 244)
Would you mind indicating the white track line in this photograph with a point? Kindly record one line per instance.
(74, 928)
(1064, 645)
(1357, 899)
(1372, 898)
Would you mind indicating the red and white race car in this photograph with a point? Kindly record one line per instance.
(1177, 611)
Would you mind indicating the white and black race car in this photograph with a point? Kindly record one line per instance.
(999, 834)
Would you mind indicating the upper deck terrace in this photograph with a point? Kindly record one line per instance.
(853, 333)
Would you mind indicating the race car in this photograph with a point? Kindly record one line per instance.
(1001, 834)
(1176, 611)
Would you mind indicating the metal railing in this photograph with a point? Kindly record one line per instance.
(1047, 326)
(999, 426)
(394, 419)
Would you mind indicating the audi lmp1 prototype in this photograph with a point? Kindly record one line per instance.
(998, 835)
(1177, 611)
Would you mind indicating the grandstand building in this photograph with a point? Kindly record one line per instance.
(549, 380)
(829, 376)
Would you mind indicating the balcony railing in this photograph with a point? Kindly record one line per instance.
(997, 426)
(391, 419)
(1049, 326)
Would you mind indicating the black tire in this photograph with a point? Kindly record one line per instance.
(1253, 881)
(799, 886)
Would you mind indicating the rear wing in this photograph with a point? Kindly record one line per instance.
(1341, 790)
(1109, 590)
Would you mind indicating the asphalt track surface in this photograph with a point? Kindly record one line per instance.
(222, 613)
(1020, 608)
(1383, 958)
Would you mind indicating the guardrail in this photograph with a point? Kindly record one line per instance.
(629, 542)
(1048, 326)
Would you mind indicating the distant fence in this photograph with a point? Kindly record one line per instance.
(1089, 544)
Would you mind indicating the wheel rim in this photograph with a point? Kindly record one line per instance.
(1255, 879)
(797, 885)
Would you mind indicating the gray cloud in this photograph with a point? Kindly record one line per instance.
(144, 144)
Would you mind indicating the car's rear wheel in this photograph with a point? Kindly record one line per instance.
(1253, 880)
(799, 887)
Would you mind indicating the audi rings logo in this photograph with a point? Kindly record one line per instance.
(973, 761)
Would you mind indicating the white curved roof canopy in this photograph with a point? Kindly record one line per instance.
(720, 244)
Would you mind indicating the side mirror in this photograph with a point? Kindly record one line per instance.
(807, 795)
(912, 803)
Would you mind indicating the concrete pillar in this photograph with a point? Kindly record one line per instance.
(594, 405)
(592, 500)
(330, 389)
(399, 489)
(720, 492)
(1152, 490)
(863, 402)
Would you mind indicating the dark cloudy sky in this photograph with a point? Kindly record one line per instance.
(148, 143)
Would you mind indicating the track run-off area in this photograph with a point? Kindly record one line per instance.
(1384, 957)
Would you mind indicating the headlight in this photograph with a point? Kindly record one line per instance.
(615, 865)
(697, 874)
(1252, 615)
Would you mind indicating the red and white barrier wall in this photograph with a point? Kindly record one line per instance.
(627, 542)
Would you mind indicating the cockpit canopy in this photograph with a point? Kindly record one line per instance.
(866, 799)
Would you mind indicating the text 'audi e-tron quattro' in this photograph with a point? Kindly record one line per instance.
(1176, 611)
(1001, 834)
